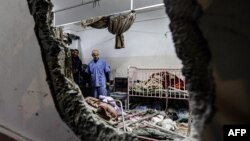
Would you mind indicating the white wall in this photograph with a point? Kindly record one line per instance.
(86, 11)
(73, 10)
(145, 44)
(26, 106)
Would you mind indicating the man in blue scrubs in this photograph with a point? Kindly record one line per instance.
(99, 71)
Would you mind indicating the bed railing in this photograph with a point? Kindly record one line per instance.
(156, 83)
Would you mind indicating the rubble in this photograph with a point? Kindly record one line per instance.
(149, 124)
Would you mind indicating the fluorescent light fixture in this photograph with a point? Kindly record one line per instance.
(151, 6)
(132, 5)
(142, 8)
(68, 23)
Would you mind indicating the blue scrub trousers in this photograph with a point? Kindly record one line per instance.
(96, 91)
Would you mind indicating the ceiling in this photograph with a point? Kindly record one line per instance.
(68, 11)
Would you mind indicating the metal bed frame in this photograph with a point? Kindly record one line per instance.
(167, 83)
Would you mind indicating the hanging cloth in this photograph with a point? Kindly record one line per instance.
(116, 24)
(119, 24)
(95, 22)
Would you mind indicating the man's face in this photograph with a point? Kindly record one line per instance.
(95, 55)
(75, 53)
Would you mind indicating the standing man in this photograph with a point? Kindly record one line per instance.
(99, 71)
(76, 66)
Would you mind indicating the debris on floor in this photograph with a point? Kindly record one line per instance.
(147, 124)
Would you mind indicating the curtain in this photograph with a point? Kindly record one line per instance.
(95, 22)
(119, 24)
(116, 24)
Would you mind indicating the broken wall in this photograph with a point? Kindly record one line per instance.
(26, 105)
(225, 25)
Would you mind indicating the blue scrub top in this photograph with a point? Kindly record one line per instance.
(97, 71)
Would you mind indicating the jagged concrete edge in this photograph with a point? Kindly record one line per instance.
(192, 48)
(67, 97)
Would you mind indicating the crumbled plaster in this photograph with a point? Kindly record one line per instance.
(67, 96)
(192, 48)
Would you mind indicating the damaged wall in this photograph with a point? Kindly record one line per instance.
(67, 96)
(26, 105)
(225, 25)
(192, 48)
